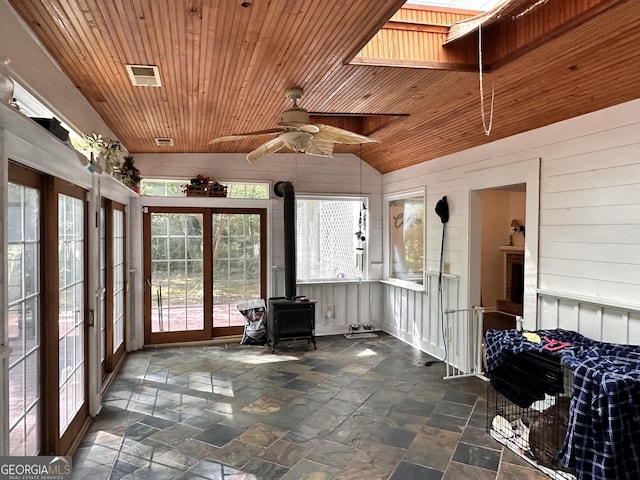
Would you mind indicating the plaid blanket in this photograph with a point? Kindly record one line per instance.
(603, 437)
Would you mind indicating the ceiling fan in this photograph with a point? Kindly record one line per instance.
(296, 133)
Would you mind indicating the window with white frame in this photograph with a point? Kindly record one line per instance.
(247, 190)
(161, 188)
(405, 237)
(331, 238)
(175, 188)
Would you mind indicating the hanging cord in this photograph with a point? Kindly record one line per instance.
(487, 130)
(441, 304)
(360, 247)
(362, 224)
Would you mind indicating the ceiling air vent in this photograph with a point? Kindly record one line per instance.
(144, 75)
(164, 142)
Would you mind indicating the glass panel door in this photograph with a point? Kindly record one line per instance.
(199, 263)
(112, 283)
(71, 321)
(118, 280)
(23, 265)
(102, 286)
(237, 265)
(175, 276)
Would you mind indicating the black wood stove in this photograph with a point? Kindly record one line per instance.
(290, 317)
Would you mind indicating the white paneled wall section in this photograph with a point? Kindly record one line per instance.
(582, 180)
(615, 323)
(416, 316)
(341, 304)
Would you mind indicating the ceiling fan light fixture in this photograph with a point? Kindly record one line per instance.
(296, 141)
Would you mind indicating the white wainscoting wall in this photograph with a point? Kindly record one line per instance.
(340, 304)
(606, 322)
(415, 316)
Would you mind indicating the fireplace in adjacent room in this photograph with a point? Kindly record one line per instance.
(515, 277)
(513, 280)
(290, 317)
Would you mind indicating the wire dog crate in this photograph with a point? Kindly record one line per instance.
(528, 409)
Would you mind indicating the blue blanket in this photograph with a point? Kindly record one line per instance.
(603, 437)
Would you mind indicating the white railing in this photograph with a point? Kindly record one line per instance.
(463, 342)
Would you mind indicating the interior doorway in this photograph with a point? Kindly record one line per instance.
(502, 238)
(521, 180)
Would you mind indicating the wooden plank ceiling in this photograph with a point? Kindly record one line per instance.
(225, 67)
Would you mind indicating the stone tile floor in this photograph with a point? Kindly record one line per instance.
(361, 409)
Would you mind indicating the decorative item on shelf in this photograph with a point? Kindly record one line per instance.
(516, 230)
(129, 173)
(6, 83)
(105, 153)
(94, 165)
(111, 153)
(516, 227)
(204, 187)
(52, 125)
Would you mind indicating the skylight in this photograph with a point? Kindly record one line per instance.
(481, 5)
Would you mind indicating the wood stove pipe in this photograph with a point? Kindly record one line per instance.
(285, 190)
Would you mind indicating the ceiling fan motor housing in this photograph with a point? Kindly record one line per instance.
(295, 115)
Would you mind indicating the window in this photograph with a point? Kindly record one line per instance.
(331, 234)
(247, 190)
(174, 188)
(406, 237)
(161, 188)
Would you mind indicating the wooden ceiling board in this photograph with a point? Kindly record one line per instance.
(225, 69)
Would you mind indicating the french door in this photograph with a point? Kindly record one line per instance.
(198, 264)
(47, 307)
(24, 195)
(112, 283)
(65, 372)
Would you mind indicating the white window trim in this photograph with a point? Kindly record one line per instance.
(388, 279)
(359, 197)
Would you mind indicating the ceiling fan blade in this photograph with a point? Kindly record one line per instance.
(338, 135)
(319, 147)
(238, 136)
(265, 149)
